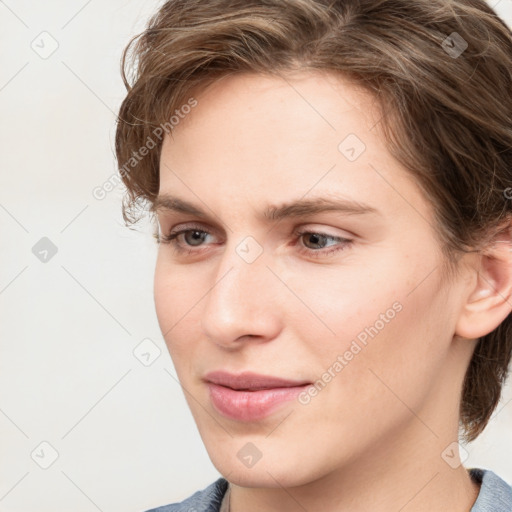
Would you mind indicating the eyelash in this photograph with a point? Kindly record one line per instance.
(171, 239)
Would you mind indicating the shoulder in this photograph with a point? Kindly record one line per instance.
(495, 494)
(205, 500)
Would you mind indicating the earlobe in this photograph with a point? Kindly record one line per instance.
(489, 299)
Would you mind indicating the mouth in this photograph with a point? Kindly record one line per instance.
(250, 381)
(250, 396)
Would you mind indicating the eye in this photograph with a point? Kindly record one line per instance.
(320, 238)
(191, 234)
(184, 240)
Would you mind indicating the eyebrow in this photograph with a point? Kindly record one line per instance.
(298, 208)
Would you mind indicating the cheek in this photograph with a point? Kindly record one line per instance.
(176, 288)
(174, 296)
(163, 295)
(392, 351)
(340, 304)
(374, 318)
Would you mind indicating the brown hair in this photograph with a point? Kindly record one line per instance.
(441, 70)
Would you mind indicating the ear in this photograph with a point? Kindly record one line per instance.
(489, 299)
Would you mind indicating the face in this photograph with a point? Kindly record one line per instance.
(341, 296)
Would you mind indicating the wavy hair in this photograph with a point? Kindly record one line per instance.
(440, 69)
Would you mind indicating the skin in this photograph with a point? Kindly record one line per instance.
(373, 437)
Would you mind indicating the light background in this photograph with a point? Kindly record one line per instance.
(125, 438)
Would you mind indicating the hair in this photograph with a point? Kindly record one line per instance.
(440, 69)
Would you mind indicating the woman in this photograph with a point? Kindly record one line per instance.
(330, 185)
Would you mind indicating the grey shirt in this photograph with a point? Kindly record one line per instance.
(495, 496)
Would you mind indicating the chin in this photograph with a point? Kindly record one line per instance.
(272, 471)
(262, 477)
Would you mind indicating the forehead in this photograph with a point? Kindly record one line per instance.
(296, 103)
(276, 138)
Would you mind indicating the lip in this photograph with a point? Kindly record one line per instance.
(250, 396)
(250, 381)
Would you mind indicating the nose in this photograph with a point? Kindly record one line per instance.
(242, 302)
